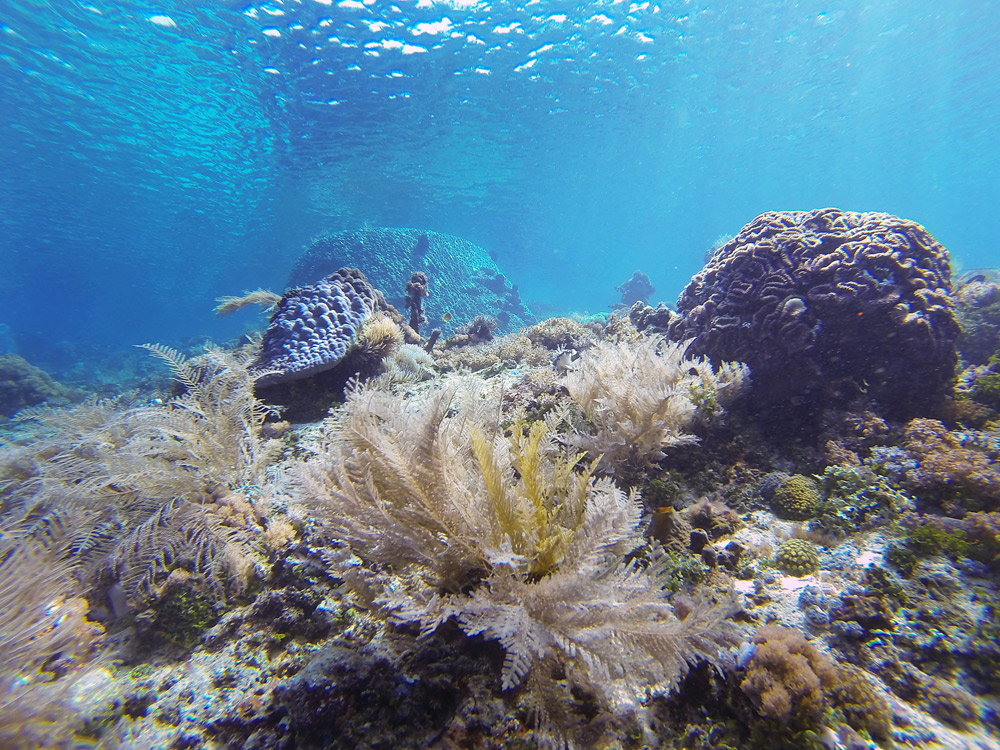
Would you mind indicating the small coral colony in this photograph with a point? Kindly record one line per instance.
(768, 518)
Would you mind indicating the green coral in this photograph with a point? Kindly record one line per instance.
(663, 493)
(859, 498)
(182, 614)
(797, 557)
(797, 498)
(928, 539)
(986, 390)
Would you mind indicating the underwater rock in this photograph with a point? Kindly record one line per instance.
(314, 326)
(652, 319)
(638, 288)
(827, 304)
(977, 306)
(23, 385)
(464, 281)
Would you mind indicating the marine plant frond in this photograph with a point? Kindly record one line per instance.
(134, 475)
(448, 518)
(40, 618)
(186, 536)
(638, 398)
(38, 615)
(183, 371)
(262, 297)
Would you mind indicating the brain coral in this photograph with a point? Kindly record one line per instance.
(797, 557)
(314, 326)
(827, 303)
(797, 498)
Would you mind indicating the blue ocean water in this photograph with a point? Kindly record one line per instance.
(157, 155)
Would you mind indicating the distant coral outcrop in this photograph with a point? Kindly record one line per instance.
(464, 281)
(828, 304)
(23, 385)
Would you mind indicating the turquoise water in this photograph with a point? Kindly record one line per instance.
(158, 155)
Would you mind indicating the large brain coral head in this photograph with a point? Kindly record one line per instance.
(827, 305)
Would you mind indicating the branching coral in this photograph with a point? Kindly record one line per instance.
(508, 536)
(641, 397)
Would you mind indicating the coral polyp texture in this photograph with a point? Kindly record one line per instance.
(315, 326)
(828, 303)
(797, 557)
(796, 498)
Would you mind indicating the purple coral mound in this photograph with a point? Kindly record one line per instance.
(314, 326)
(827, 303)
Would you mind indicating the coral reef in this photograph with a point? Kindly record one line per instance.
(379, 336)
(638, 288)
(467, 281)
(560, 550)
(23, 385)
(787, 676)
(797, 557)
(640, 398)
(959, 469)
(861, 703)
(651, 319)
(560, 333)
(408, 364)
(796, 498)
(828, 304)
(977, 307)
(139, 492)
(512, 540)
(41, 622)
(479, 330)
(314, 327)
(416, 290)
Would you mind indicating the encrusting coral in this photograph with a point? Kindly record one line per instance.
(313, 327)
(641, 397)
(511, 538)
(960, 468)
